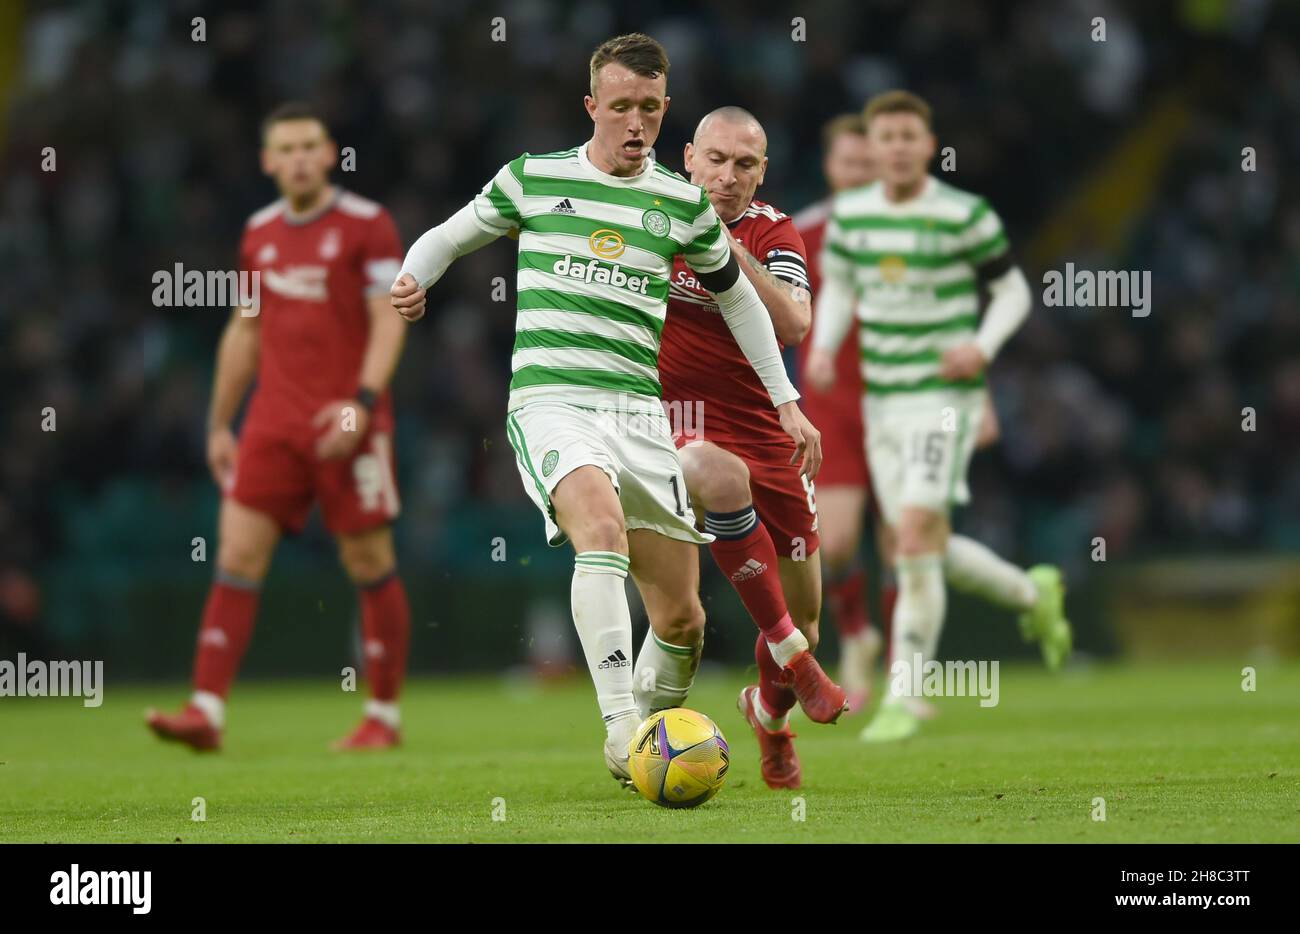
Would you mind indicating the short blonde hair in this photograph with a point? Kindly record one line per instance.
(636, 51)
(897, 102)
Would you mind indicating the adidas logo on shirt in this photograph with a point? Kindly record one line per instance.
(564, 207)
(617, 660)
(749, 570)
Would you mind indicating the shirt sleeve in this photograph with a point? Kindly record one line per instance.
(785, 256)
(704, 247)
(381, 254)
(983, 243)
(834, 308)
(496, 207)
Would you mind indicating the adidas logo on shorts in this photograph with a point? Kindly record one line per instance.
(564, 207)
(749, 570)
(617, 660)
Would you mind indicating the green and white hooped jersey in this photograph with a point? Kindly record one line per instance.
(915, 267)
(595, 257)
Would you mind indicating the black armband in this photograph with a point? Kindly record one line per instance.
(995, 268)
(720, 279)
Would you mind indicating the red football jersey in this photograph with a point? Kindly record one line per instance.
(847, 391)
(700, 361)
(316, 273)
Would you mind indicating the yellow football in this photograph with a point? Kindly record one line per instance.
(678, 758)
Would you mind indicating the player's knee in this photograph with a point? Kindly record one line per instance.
(366, 558)
(921, 531)
(838, 549)
(600, 532)
(722, 485)
(682, 623)
(243, 560)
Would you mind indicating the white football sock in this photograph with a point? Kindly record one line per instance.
(975, 568)
(604, 625)
(664, 674)
(785, 650)
(213, 707)
(918, 616)
(386, 712)
(858, 653)
(765, 719)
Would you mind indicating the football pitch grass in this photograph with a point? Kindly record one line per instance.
(1178, 753)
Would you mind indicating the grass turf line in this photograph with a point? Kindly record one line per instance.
(1179, 753)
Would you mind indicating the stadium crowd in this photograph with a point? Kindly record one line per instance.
(129, 145)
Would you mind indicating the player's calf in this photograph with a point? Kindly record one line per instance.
(370, 561)
(667, 573)
(588, 511)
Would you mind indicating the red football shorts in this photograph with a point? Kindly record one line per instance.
(838, 416)
(785, 501)
(281, 476)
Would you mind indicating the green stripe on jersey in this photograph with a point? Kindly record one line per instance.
(583, 227)
(536, 186)
(920, 356)
(921, 223)
(929, 384)
(535, 375)
(947, 324)
(548, 337)
(553, 299)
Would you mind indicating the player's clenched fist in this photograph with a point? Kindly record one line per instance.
(408, 297)
(807, 439)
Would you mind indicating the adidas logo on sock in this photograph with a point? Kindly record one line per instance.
(617, 660)
(749, 570)
(564, 207)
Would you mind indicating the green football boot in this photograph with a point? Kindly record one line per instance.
(1045, 621)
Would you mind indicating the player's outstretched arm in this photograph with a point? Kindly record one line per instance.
(430, 256)
(237, 354)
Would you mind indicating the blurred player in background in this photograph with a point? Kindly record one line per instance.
(737, 459)
(844, 482)
(323, 345)
(909, 254)
(599, 227)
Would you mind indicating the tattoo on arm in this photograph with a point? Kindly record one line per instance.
(796, 293)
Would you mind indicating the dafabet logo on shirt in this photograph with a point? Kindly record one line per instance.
(593, 270)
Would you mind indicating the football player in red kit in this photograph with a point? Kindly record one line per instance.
(738, 462)
(322, 342)
(844, 482)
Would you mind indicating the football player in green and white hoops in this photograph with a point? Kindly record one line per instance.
(598, 227)
(908, 254)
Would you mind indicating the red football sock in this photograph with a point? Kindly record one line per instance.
(776, 696)
(744, 551)
(848, 600)
(227, 626)
(385, 634)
